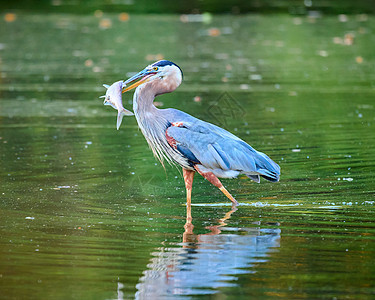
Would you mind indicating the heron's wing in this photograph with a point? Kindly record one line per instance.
(210, 146)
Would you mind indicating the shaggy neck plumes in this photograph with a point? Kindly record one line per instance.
(151, 120)
(152, 123)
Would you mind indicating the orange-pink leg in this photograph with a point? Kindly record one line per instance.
(188, 177)
(211, 177)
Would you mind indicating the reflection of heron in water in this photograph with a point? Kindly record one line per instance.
(206, 262)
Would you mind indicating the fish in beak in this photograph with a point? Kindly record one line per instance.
(113, 97)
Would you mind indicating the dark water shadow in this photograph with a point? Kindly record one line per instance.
(204, 263)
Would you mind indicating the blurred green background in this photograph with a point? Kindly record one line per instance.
(194, 6)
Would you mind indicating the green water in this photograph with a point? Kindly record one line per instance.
(86, 212)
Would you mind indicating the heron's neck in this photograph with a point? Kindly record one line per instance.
(152, 123)
(143, 103)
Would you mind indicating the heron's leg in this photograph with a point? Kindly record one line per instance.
(211, 177)
(188, 177)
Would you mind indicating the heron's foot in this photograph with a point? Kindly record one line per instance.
(229, 196)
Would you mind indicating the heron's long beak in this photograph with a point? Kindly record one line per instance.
(144, 74)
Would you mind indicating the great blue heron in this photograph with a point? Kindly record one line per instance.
(195, 145)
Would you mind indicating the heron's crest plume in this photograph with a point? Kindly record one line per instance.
(163, 63)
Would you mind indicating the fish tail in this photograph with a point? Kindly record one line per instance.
(121, 113)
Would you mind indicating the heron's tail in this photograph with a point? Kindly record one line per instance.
(266, 174)
(269, 175)
(266, 168)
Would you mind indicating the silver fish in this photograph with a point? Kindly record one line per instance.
(113, 97)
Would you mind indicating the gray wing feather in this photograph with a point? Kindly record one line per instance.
(219, 156)
(216, 148)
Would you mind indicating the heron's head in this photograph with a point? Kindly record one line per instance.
(162, 76)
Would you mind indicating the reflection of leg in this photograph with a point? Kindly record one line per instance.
(188, 177)
(227, 215)
(217, 228)
(211, 177)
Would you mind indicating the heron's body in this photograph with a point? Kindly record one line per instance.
(193, 144)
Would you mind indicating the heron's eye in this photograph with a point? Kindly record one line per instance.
(155, 68)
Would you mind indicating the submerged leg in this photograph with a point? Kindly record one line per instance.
(211, 177)
(188, 177)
